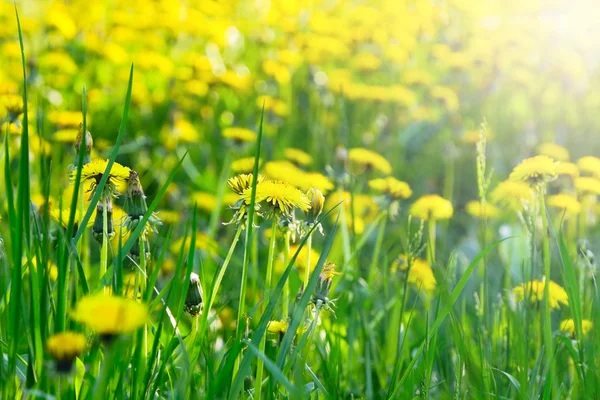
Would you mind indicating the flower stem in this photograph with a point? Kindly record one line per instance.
(286, 287)
(104, 251)
(431, 232)
(379, 241)
(142, 281)
(266, 298)
(548, 347)
(307, 272)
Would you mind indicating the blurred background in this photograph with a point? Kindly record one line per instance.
(412, 79)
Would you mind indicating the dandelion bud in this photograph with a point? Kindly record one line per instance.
(324, 284)
(64, 347)
(317, 200)
(98, 227)
(193, 300)
(89, 143)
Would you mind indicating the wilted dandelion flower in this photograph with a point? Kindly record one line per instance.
(565, 202)
(535, 171)
(321, 295)
(297, 156)
(93, 171)
(420, 274)
(369, 160)
(317, 202)
(534, 290)
(432, 206)
(239, 135)
(392, 187)
(244, 165)
(477, 210)
(589, 165)
(280, 196)
(554, 151)
(511, 194)
(13, 104)
(110, 315)
(586, 185)
(568, 326)
(64, 348)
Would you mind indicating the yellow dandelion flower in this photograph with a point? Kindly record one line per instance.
(239, 134)
(204, 201)
(110, 315)
(534, 290)
(65, 135)
(369, 160)
(472, 136)
(476, 209)
(13, 104)
(240, 183)
(92, 172)
(298, 156)
(282, 197)
(61, 216)
(511, 194)
(568, 326)
(554, 151)
(391, 186)
(420, 274)
(535, 171)
(244, 165)
(586, 185)
(432, 206)
(568, 169)
(203, 242)
(277, 327)
(287, 172)
(168, 217)
(589, 165)
(301, 260)
(65, 347)
(565, 202)
(66, 119)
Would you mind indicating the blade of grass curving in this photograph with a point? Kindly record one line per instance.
(445, 311)
(265, 318)
(113, 156)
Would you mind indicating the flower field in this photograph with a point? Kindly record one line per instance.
(340, 199)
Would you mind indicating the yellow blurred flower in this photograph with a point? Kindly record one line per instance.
(396, 189)
(476, 209)
(239, 135)
(66, 119)
(65, 347)
(369, 160)
(535, 171)
(297, 156)
(590, 165)
(432, 206)
(554, 151)
(534, 290)
(565, 202)
(203, 242)
(420, 274)
(244, 165)
(568, 326)
(110, 315)
(587, 185)
(277, 327)
(567, 168)
(511, 194)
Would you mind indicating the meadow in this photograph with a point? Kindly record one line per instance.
(337, 199)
